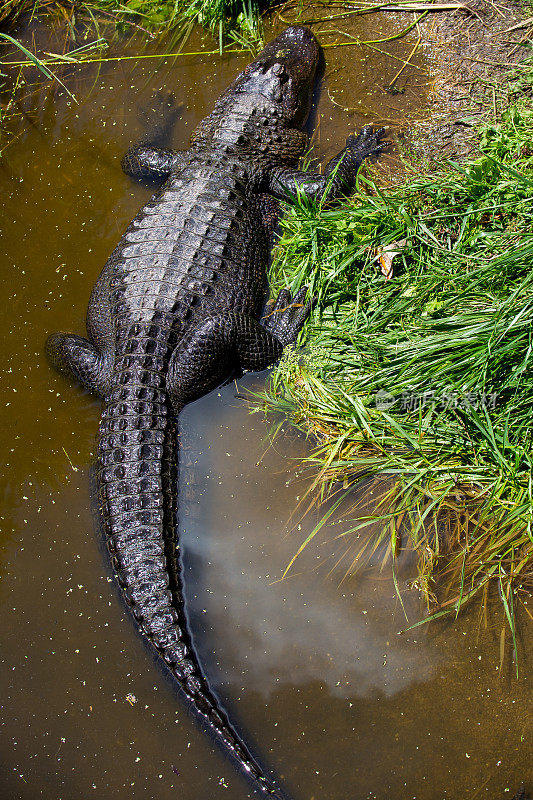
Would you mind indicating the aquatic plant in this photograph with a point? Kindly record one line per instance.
(234, 19)
(417, 369)
(238, 19)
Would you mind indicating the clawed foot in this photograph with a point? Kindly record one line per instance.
(343, 168)
(367, 143)
(285, 318)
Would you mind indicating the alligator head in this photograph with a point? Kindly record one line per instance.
(273, 92)
(284, 72)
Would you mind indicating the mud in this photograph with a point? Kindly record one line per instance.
(470, 54)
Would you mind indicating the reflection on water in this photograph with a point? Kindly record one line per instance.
(322, 633)
(316, 675)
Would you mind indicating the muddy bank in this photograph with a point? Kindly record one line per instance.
(471, 55)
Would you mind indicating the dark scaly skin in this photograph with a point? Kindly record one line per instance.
(176, 312)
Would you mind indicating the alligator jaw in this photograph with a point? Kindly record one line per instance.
(293, 56)
(285, 72)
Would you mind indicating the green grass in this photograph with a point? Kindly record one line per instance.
(425, 379)
(237, 19)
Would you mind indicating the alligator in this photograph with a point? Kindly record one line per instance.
(177, 311)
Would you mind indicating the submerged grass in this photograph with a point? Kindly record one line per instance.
(237, 20)
(424, 382)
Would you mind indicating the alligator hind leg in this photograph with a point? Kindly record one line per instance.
(285, 317)
(77, 357)
(225, 343)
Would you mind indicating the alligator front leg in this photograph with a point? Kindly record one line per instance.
(78, 358)
(149, 158)
(340, 173)
(229, 342)
(151, 162)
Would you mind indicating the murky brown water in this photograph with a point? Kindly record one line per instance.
(315, 675)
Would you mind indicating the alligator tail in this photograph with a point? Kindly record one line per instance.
(136, 483)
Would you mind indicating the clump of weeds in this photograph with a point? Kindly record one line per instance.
(417, 367)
